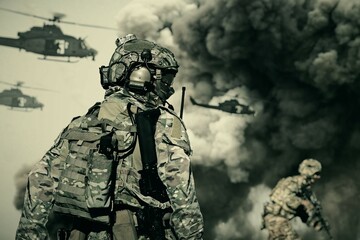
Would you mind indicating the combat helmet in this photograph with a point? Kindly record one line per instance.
(141, 66)
(310, 167)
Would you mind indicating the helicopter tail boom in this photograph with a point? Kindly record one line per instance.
(10, 42)
(201, 104)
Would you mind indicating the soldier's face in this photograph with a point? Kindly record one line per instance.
(315, 178)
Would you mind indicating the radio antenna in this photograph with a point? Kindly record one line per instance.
(182, 102)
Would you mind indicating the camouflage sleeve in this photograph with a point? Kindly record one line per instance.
(174, 168)
(39, 195)
(285, 194)
(293, 201)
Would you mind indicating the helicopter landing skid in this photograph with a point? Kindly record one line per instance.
(58, 60)
(20, 109)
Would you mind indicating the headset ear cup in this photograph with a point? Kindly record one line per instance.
(140, 79)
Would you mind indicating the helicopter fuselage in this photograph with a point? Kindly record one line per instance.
(49, 41)
(230, 106)
(14, 98)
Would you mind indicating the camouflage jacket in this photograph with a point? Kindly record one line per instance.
(287, 196)
(173, 164)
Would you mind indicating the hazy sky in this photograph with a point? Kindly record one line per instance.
(25, 136)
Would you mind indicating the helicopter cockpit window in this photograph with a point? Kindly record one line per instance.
(51, 46)
(61, 45)
(57, 46)
(83, 44)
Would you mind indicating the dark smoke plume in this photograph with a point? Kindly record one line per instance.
(297, 63)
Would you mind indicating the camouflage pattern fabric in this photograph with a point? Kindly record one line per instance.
(174, 170)
(85, 180)
(285, 201)
(285, 194)
(173, 149)
(42, 180)
(279, 228)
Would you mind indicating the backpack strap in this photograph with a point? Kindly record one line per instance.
(94, 110)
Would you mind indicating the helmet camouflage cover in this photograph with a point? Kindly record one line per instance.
(309, 167)
(130, 48)
(132, 53)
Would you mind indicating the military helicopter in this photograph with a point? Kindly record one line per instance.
(49, 40)
(14, 98)
(230, 106)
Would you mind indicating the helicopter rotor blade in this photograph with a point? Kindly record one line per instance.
(25, 14)
(41, 89)
(7, 83)
(88, 25)
(57, 18)
(20, 85)
(17, 84)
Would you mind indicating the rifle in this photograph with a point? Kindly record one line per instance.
(318, 212)
(150, 218)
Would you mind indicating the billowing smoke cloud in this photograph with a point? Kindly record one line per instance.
(296, 63)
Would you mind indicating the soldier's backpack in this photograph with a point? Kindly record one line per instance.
(87, 181)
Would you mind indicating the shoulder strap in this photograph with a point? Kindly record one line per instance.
(94, 110)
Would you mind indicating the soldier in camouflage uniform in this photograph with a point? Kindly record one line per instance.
(289, 199)
(138, 78)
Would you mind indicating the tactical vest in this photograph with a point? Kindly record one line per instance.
(87, 182)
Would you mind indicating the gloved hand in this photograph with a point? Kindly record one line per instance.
(309, 207)
(318, 226)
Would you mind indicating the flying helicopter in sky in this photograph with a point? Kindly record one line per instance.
(230, 106)
(49, 40)
(15, 98)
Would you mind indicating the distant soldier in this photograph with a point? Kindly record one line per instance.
(292, 197)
